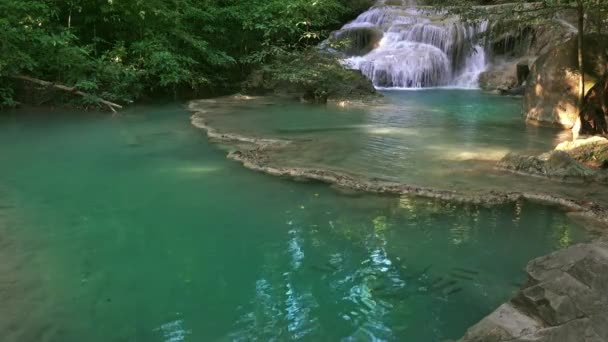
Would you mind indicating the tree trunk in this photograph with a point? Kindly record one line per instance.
(581, 65)
(599, 17)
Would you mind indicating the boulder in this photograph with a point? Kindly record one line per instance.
(355, 41)
(565, 299)
(311, 77)
(551, 95)
(499, 76)
(513, 50)
(556, 165)
(506, 77)
(592, 152)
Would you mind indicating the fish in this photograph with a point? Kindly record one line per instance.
(378, 288)
(444, 285)
(453, 291)
(436, 281)
(423, 272)
(461, 276)
(465, 270)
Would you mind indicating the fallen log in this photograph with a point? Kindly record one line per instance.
(68, 89)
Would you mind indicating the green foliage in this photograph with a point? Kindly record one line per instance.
(317, 76)
(122, 50)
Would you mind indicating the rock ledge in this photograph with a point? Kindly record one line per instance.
(565, 299)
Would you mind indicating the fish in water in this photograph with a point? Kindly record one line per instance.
(453, 291)
(461, 276)
(395, 294)
(444, 285)
(518, 285)
(379, 288)
(436, 281)
(465, 270)
(423, 272)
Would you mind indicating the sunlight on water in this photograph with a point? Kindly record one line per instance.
(441, 138)
(136, 228)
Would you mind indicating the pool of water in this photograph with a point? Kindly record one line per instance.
(441, 138)
(136, 228)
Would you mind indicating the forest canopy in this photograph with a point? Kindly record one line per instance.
(123, 50)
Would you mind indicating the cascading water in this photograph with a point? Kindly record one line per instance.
(405, 46)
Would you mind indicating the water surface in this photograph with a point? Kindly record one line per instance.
(441, 138)
(135, 228)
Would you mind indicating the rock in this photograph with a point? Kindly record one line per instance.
(355, 41)
(565, 299)
(310, 77)
(501, 76)
(513, 50)
(556, 165)
(551, 95)
(594, 115)
(592, 152)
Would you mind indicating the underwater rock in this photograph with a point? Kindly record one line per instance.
(565, 299)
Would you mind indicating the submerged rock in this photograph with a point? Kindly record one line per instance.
(552, 89)
(565, 299)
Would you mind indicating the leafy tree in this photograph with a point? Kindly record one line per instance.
(122, 50)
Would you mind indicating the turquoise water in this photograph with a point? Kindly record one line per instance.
(441, 138)
(135, 228)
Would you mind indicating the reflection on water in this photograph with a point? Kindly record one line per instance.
(168, 241)
(364, 276)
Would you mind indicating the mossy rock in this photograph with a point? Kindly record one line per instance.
(310, 76)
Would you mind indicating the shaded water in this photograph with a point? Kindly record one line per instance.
(136, 228)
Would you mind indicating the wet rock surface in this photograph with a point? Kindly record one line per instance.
(578, 161)
(565, 299)
(552, 89)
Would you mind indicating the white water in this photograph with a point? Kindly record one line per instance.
(420, 48)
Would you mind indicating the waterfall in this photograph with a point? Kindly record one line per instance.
(417, 47)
